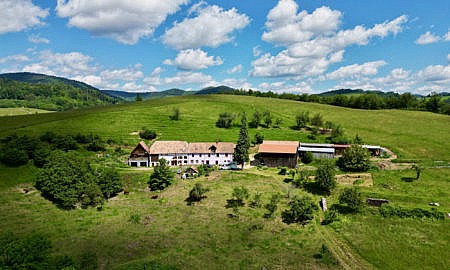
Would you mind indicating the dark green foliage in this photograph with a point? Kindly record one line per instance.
(259, 138)
(138, 97)
(301, 211)
(109, 182)
(354, 159)
(283, 171)
(238, 197)
(256, 120)
(68, 180)
(89, 261)
(358, 140)
(307, 158)
(147, 134)
(175, 114)
(243, 144)
(330, 216)
(302, 120)
(41, 155)
(17, 150)
(161, 177)
(197, 193)
(272, 206)
(13, 157)
(418, 170)
(317, 120)
(325, 256)
(225, 120)
(352, 198)
(256, 201)
(49, 137)
(278, 122)
(267, 118)
(302, 177)
(325, 176)
(337, 135)
(204, 169)
(52, 95)
(96, 146)
(65, 143)
(387, 210)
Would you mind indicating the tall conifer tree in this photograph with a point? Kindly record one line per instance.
(243, 144)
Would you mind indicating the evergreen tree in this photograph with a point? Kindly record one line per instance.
(243, 144)
(161, 177)
(138, 97)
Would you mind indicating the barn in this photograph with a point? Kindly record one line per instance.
(140, 156)
(279, 153)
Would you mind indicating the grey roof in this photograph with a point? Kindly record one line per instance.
(317, 145)
(316, 150)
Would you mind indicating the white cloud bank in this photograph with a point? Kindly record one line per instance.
(313, 41)
(18, 15)
(211, 27)
(122, 20)
(427, 38)
(193, 59)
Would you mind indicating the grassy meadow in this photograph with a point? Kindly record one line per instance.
(203, 236)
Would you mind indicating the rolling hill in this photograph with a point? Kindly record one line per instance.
(49, 92)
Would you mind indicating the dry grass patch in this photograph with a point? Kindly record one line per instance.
(360, 179)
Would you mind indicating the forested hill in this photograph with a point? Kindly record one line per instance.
(49, 92)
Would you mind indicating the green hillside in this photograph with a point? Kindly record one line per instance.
(147, 228)
(411, 134)
(49, 93)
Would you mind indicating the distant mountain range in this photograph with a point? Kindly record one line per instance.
(171, 92)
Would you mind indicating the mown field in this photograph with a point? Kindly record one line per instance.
(20, 111)
(203, 236)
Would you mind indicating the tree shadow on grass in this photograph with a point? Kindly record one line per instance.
(343, 209)
(408, 179)
(313, 188)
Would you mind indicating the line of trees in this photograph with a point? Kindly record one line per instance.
(371, 101)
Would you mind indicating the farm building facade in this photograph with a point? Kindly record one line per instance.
(279, 153)
(182, 153)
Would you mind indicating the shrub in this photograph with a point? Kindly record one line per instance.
(354, 159)
(197, 193)
(175, 114)
(96, 145)
(283, 171)
(256, 201)
(41, 155)
(147, 134)
(238, 197)
(352, 198)
(256, 120)
(225, 120)
(267, 118)
(161, 177)
(307, 158)
(325, 176)
(301, 211)
(302, 178)
(65, 143)
(13, 157)
(302, 120)
(258, 139)
(330, 217)
(317, 120)
(135, 218)
(272, 206)
(109, 182)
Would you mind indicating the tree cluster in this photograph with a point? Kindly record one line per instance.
(354, 159)
(68, 181)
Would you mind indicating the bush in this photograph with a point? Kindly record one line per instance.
(147, 134)
(161, 177)
(13, 157)
(301, 211)
(352, 198)
(325, 176)
(317, 120)
(175, 114)
(256, 202)
(256, 120)
(238, 197)
(258, 139)
(283, 171)
(135, 218)
(197, 193)
(65, 143)
(302, 120)
(41, 155)
(109, 182)
(330, 217)
(354, 159)
(307, 158)
(225, 120)
(272, 206)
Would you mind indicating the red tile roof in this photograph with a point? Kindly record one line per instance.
(285, 147)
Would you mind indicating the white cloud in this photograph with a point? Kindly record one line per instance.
(448, 57)
(447, 36)
(36, 39)
(283, 87)
(313, 41)
(185, 77)
(437, 74)
(17, 58)
(257, 51)
(427, 38)
(356, 71)
(193, 59)
(235, 69)
(122, 20)
(18, 15)
(62, 64)
(212, 27)
(125, 74)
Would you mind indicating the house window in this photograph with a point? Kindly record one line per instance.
(226, 155)
(200, 155)
(196, 161)
(217, 162)
(143, 164)
(185, 162)
(133, 164)
(185, 157)
(207, 162)
(217, 155)
(191, 161)
(192, 155)
(209, 155)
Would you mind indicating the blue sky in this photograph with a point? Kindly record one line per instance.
(298, 46)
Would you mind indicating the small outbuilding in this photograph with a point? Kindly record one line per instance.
(279, 153)
(317, 152)
(140, 156)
